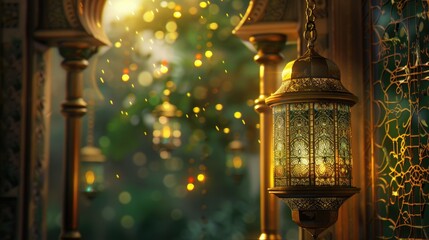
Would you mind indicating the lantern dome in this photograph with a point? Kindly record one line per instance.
(311, 77)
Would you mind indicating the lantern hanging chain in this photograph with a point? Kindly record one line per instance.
(310, 33)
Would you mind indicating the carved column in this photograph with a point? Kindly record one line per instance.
(75, 28)
(268, 56)
(73, 108)
(267, 24)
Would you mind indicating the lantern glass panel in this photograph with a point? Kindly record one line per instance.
(299, 139)
(235, 162)
(344, 150)
(92, 176)
(324, 137)
(281, 170)
(312, 144)
(166, 133)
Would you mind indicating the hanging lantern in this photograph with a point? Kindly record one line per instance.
(312, 135)
(92, 171)
(235, 162)
(166, 129)
(92, 160)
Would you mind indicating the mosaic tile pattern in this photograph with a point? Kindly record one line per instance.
(10, 15)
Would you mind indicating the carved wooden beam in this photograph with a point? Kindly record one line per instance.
(270, 16)
(68, 21)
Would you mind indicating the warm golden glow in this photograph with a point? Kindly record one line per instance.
(237, 115)
(193, 10)
(90, 177)
(201, 177)
(125, 77)
(163, 69)
(190, 187)
(322, 169)
(203, 4)
(287, 71)
(171, 26)
(198, 63)
(163, 120)
(213, 26)
(166, 132)
(116, 10)
(148, 16)
(237, 162)
(177, 14)
(208, 54)
(159, 35)
(177, 133)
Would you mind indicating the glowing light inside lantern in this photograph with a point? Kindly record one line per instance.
(90, 177)
(237, 162)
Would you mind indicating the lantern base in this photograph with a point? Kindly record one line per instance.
(315, 221)
(90, 195)
(314, 191)
(314, 208)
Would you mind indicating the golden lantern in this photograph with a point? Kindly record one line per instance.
(92, 160)
(92, 171)
(166, 129)
(312, 135)
(235, 160)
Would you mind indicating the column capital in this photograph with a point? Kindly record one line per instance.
(76, 52)
(269, 47)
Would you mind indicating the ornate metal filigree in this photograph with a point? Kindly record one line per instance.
(400, 111)
(10, 113)
(10, 15)
(316, 204)
(55, 17)
(71, 22)
(71, 13)
(310, 147)
(306, 84)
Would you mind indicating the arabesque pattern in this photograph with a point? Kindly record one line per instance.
(312, 148)
(400, 110)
